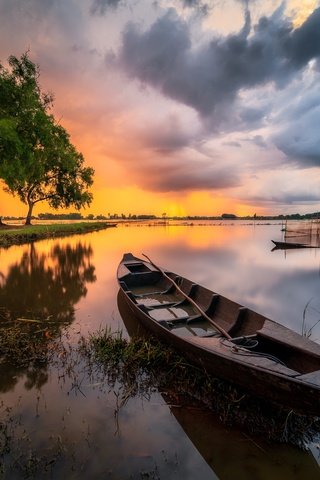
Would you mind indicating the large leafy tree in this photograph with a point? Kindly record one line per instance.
(37, 160)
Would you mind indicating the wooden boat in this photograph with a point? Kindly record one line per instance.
(202, 424)
(285, 245)
(228, 340)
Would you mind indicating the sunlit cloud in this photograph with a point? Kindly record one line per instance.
(300, 10)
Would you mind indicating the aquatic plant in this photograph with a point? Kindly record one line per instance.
(306, 330)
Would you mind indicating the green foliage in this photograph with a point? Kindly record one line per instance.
(37, 160)
(62, 216)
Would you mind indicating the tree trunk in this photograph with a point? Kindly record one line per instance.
(28, 219)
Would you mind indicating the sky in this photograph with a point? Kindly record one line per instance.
(183, 107)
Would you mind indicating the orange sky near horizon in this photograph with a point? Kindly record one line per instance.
(164, 142)
(117, 201)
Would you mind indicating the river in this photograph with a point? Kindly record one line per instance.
(78, 428)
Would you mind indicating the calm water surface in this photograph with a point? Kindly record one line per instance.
(72, 284)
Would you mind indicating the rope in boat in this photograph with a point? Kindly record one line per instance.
(245, 350)
(246, 342)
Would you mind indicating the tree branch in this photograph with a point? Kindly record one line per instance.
(46, 197)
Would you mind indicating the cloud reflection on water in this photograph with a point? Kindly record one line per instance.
(235, 261)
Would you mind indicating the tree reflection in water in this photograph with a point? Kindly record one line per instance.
(44, 287)
(47, 286)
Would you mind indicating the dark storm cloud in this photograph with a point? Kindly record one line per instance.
(252, 115)
(257, 140)
(172, 159)
(202, 7)
(304, 43)
(299, 139)
(303, 148)
(100, 7)
(35, 21)
(191, 3)
(208, 78)
(177, 176)
(285, 198)
(167, 137)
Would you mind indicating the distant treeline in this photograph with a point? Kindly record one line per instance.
(115, 216)
(78, 216)
(231, 216)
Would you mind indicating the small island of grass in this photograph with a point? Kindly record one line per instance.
(19, 234)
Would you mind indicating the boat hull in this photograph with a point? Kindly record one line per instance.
(259, 375)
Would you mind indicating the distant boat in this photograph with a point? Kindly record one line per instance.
(228, 340)
(285, 245)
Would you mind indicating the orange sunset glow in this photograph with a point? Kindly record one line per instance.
(183, 108)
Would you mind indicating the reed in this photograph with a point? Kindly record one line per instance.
(306, 330)
(23, 346)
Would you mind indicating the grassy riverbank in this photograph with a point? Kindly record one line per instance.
(17, 235)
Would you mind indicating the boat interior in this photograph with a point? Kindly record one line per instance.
(156, 296)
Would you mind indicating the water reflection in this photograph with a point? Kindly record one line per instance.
(235, 261)
(40, 291)
(35, 376)
(233, 455)
(47, 285)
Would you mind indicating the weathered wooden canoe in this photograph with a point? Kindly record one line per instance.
(266, 358)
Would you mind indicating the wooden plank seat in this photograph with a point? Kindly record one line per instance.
(168, 314)
(156, 304)
(311, 377)
(187, 320)
(159, 303)
(158, 300)
(156, 292)
(273, 331)
(212, 304)
(226, 313)
(238, 321)
(156, 287)
(196, 325)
